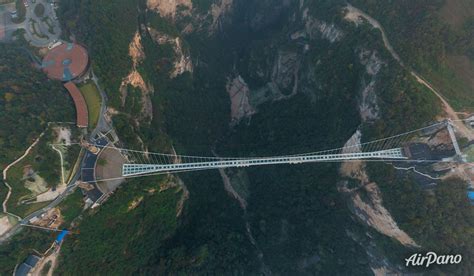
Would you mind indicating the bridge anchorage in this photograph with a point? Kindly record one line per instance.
(394, 148)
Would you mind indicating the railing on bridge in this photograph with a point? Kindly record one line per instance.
(394, 148)
(138, 169)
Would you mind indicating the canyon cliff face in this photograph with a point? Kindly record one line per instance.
(170, 8)
(258, 78)
(275, 78)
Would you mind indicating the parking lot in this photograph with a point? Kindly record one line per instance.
(36, 17)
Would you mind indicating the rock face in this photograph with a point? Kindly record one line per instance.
(368, 107)
(135, 80)
(239, 97)
(182, 60)
(169, 8)
(372, 212)
(218, 12)
(315, 28)
(278, 71)
(365, 202)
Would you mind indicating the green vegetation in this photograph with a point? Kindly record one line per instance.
(46, 268)
(48, 22)
(202, 5)
(93, 100)
(37, 172)
(135, 230)
(21, 11)
(33, 24)
(45, 163)
(27, 242)
(425, 42)
(400, 95)
(116, 22)
(440, 221)
(161, 24)
(71, 207)
(297, 216)
(28, 100)
(470, 154)
(39, 10)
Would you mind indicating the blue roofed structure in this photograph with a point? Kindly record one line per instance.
(61, 236)
(32, 260)
(470, 195)
(24, 268)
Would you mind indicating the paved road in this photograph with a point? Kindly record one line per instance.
(52, 30)
(87, 162)
(102, 125)
(451, 113)
(72, 184)
(39, 31)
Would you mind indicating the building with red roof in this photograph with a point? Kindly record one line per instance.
(81, 106)
(66, 62)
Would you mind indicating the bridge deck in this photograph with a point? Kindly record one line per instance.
(138, 169)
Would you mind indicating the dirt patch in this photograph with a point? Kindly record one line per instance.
(50, 194)
(63, 135)
(168, 8)
(182, 59)
(51, 219)
(135, 49)
(52, 259)
(110, 170)
(4, 224)
(136, 52)
(37, 186)
(135, 80)
(132, 205)
(441, 140)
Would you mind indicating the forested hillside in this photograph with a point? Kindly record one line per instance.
(441, 220)
(428, 43)
(307, 72)
(28, 101)
(106, 27)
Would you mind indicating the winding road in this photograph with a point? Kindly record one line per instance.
(354, 12)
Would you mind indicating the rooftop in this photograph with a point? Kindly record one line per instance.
(66, 62)
(82, 116)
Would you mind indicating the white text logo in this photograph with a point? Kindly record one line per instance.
(432, 258)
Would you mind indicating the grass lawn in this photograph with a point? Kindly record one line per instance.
(470, 154)
(71, 207)
(19, 191)
(93, 100)
(45, 162)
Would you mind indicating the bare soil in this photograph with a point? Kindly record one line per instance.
(111, 171)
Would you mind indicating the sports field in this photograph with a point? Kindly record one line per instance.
(93, 100)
